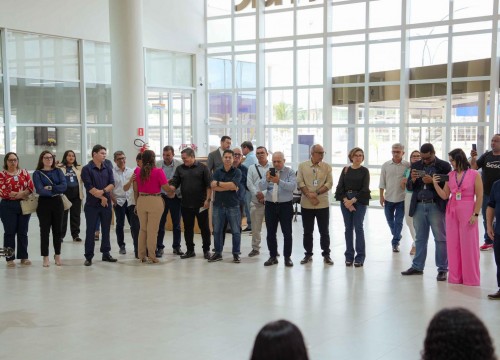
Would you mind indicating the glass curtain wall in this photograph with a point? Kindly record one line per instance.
(170, 89)
(2, 94)
(355, 73)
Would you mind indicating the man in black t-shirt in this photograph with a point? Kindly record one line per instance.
(489, 163)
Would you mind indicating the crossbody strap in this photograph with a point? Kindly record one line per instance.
(258, 172)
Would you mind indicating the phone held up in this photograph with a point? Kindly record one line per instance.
(474, 147)
(272, 171)
(443, 177)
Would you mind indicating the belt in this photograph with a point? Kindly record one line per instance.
(146, 194)
(426, 201)
(278, 203)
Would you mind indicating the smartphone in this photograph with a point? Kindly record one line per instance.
(272, 171)
(421, 173)
(443, 177)
(474, 147)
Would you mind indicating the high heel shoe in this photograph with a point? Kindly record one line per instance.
(46, 261)
(57, 260)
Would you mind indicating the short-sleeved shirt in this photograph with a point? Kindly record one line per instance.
(14, 183)
(390, 180)
(152, 185)
(227, 198)
(490, 165)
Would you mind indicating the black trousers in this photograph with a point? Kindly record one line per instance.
(323, 218)
(188, 216)
(74, 212)
(282, 214)
(50, 214)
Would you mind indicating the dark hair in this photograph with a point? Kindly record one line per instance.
(247, 144)
(117, 153)
(138, 157)
(427, 148)
(169, 148)
(148, 164)
(40, 160)
(261, 147)
(460, 159)
(6, 157)
(457, 334)
(66, 153)
(413, 152)
(188, 151)
(96, 149)
(279, 340)
(228, 151)
(224, 138)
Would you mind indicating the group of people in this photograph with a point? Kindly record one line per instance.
(454, 333)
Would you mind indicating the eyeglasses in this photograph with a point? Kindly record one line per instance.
(320, 152)
(12, 160)
(260, 153)
(237, 155)
(48, 157)
(120, 159)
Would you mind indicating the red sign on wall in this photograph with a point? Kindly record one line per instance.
(140, 132)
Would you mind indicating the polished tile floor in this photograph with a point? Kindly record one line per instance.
(190, 309)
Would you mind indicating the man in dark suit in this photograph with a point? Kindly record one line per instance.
(215, 157)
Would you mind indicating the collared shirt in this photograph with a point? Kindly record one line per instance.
(99, 178)
(390, 179)
(286, 185)
(121, 178)
(194, 181)
(250, 159)
(314, 177)
(169, 171)
(227, 198)
(253, 179)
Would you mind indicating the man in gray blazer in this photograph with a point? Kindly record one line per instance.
(215, 157)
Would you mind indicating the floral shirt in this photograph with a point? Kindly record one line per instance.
(14, 183)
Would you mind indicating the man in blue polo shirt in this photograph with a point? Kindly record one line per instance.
(225, 183)
(98, 180)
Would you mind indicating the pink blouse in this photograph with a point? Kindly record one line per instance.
(153, 184)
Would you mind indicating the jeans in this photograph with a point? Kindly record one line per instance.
(248, 201)
(188, 216)
(174, 206)
(486, 200)
(323, 218)
(353, 222)
(232, 215)
(15, 223)
(135, 226)
(429, 216)
(120, 213)
(282, 214)
(395, 213)
(92, 215)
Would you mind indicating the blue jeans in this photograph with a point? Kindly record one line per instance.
(429, 216)
(248, 200)
(282, 214)
(486, 200)
(233, 216)
(92, 214)
(395, 213)
(120, 213)
(353, 222)
(174, 206)
(15, 223)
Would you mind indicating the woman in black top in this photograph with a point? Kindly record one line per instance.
(354, 192)
(74, 193)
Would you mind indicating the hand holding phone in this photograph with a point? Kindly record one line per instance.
(474, 147)
(272, 171)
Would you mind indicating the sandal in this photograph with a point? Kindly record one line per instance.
(25, 262)
(11, 264)
(57, 260)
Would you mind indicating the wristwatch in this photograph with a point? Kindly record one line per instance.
(217, 182)
(475, 214)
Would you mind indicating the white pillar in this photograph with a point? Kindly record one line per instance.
(127, 75)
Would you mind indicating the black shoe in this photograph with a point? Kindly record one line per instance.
(441, 276)
(412, 271)
(495, 296)
(207, 255)
(236, 258)
(271, 261)
(247, 229)
(108, 258)
(159, 253)
(358, 264)
(254, 253)
(216, 257)
(327, 260)
(395, 249)
(348, 263)
(306, 259)
(77, 239)
(188, 254)
(88, 263)
(178, 251)
(122, 250)
(62, 240)
(288, 262)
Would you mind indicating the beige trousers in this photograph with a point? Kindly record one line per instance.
(257, 212)
(149, 211)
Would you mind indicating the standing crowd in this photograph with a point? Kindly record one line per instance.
(425, 191)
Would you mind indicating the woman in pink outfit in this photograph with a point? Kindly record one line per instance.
(462, 234)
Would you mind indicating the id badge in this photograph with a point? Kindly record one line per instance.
(458, 196)
(16, 178)
(315, 182)
(71, 179)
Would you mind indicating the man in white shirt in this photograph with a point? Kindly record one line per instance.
(257, 207)
(120, 196)
(392, 196)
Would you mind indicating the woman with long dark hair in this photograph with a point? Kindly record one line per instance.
(74, 193)
(279, 340)
(50, 184)
(353, 190)
(15, 185)
(149, 180)
(464, 189)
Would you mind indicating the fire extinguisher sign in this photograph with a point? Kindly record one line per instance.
(140, 131)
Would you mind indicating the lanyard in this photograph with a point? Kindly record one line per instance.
(461, 180)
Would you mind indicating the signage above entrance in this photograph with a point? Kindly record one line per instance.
(244, 3)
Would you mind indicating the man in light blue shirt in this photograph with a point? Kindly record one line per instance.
(250, 159)
(280, 182)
